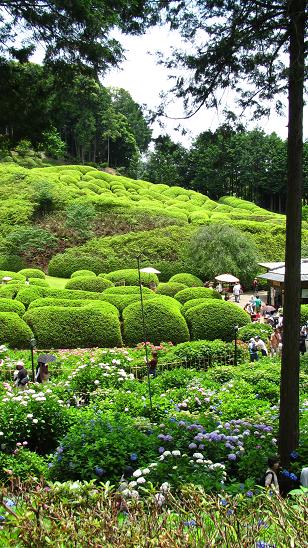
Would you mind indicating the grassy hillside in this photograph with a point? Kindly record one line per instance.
(92, 215)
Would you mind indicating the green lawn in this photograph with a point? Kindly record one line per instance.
(58, 283)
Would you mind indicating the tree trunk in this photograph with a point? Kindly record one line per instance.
(289, 386)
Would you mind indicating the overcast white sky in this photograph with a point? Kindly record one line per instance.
(145, 79)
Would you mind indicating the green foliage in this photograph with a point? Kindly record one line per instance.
(122, 300)
(83, 273)
(208, 353)
(9, 305)
(14, 331)
(23, 464)
(128, 290)
(93, 445)
(188, 279)
(163, 323)
(130, 276)
(304, 314)
(215, 319)
(89, 283)
(28, 294)
(32, 273)
(263, 330)
(63, 265)
(170, 288)
(196, 293)
(38, 281)
(218, 249)
(80, 217)
(52, 143)
(29, 241)
(11, 262)
(71, 327)
(16, 276)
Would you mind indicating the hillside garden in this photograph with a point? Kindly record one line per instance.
(191, 452)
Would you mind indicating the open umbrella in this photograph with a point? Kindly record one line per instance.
(269, 308)
(149, 270)
(46, 358)
(227, 278)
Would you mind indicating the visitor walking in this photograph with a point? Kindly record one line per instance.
(153, 364)
(302, 341)
(261, 346)
(253, 350)
(271, 480)
(21, 375)
(258, 304)
(276, 343)
(237, 292)
(255, 285)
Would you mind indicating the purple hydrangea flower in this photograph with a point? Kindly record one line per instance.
(232, 456)
(161, 449)
(249, 494)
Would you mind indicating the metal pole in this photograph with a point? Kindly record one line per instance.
(235, 344)
(32, 346)
(144, 333)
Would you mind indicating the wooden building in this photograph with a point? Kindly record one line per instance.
(275, 277)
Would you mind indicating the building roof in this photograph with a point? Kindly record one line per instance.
(277, 274)
(271, 266)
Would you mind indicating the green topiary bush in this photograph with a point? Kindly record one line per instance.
(130, 277)
(87, 273)
(170, 288)
(38, 281)
(127, 290)
(304, 314)
(28, 294)
(10, 291)
(263, 330)
(64, 265)
(73, 327)
(122, 300)
(10, 274)
(215, 319)
(11, 262)
(14, 331)
(192, 303)
(10, 305)
(196, 293)
(162, 323)
(188, 279)
(32, 273)
(89, 283)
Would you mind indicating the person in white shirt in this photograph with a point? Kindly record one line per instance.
(237, 292)
(261, 346)
(271, 479)
(304, 477)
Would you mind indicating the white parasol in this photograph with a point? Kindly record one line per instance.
(149, 270)
(227, 278)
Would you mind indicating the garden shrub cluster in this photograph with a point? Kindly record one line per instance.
(130, 276)
(83, 273)
(14, 331)
(89, 283)
(32, 273)
(215, 319)
(72, 327)
(163, 321)
(196, 293)
(170, 288)
(188, 279)
(9, 305)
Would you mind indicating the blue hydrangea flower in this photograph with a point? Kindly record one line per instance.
(134, 457)
(99, 471)
(249, 494)
(294, 455)
(293, 477)
(190, 523)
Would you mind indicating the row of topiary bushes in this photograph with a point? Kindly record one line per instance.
(71, 318)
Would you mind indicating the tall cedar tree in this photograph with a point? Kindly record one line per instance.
(247, 41)
(72, 31)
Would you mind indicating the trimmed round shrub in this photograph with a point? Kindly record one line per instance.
(32, 273)
(11, 262)
(10, 291)
(127, 290)
(51, 301)
(88, 283)
(263, 330)
(162, 323)
(215, 319)
(130, 277)
(73, 327)
(14, 331)
(63, 265)
(192, 303)
(9, 305)
(38, 281)
(196, 293)
(10, 274)
(188, 279)
(88, 273)
(168, 301)
(170, 288)
(123, 300)
(28, 294)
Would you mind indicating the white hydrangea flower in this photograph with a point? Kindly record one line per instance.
(137, 473)
(35, 421)
(30, 416)
(200, 461)
(96, 382)
(141, 480)
(198, 456)
(146, 471)
(167, 453)
(132, 484)
(160, 499)
(176, 453)
(165, 487)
